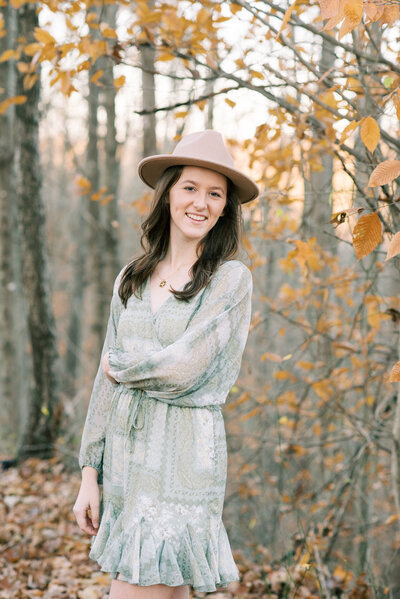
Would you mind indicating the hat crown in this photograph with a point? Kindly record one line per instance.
(204, 145)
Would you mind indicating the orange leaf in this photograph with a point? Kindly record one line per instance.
(348, 129)
(367, 234)
(271, 357)
(391, 519)
(250, 414)
(329, 8)
(353, 11)
(394, 247)
(384, 173)
(44, 36)
(256, 74)
(394, 376)
(286, 18)
(84, 184)
(396, 102)
(370, 133)
(230, 102)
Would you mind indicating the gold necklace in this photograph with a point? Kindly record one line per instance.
(164, 281)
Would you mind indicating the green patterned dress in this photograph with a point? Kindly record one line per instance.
(157, 436)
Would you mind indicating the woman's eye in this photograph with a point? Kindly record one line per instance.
(189, 187)
(216, 194)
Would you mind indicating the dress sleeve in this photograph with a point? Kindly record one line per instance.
(209, 351)
(92, 443)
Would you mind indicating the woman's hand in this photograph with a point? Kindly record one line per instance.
(87, 504)
(106, 367)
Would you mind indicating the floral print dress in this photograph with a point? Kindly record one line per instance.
(157, 436)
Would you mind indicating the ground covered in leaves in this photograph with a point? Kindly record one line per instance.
(44, 554)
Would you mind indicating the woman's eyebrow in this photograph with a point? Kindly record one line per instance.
(196, 183)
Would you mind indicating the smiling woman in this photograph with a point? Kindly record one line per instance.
(154, 433)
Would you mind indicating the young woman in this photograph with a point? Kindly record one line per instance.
(154, 434)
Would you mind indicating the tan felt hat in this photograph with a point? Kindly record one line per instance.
(206, 149)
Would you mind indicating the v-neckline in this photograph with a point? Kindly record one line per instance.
(171, 295)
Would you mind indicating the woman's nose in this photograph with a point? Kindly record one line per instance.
(200, 199)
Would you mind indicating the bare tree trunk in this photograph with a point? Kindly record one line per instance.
(149, 99)
(318, 184)
(95, 233)
(9, 391)
(111, 172)
(44, 413)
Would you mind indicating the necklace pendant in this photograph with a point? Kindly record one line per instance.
(163, 283)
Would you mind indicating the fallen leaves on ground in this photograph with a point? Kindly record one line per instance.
(44, 554)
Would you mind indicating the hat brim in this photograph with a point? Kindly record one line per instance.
(151, 168)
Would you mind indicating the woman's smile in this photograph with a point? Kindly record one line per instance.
(196, 217)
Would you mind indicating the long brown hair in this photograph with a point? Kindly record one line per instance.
(220, 244)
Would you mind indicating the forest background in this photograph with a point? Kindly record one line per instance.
(307, 95)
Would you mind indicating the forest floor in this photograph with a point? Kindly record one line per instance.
(44, 554)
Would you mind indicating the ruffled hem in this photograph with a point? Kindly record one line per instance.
(134, 554)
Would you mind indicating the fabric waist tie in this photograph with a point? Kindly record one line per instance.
(137, 415)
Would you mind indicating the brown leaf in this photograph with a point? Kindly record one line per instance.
(394, 247)
(329, 8)
(384, 173)
(367, 234)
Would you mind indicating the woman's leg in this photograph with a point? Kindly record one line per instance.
(181, 592)
(124, 590)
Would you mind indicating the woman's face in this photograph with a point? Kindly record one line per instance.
(197, 200)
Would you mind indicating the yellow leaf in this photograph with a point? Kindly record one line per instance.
(384, 173)
(250, 414)
(394, 247)
(9, 101)
(119, 81)
(8, 54)
(282, 375)
(201, 104)
(394, 376)
(44, 410)
(230, 102)
(367, 234)
(44, 36)
(181, 115)
(391, 519)
(370, 133)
